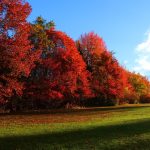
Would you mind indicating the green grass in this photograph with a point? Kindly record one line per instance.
(123, 127)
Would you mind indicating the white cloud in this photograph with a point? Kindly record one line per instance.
(144, 47)
(143, 56)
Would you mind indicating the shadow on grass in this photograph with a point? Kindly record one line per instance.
(77, 111)
(122, 136)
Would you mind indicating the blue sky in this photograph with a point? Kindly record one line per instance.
(123, 24)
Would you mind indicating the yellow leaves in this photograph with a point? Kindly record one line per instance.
(38, 27)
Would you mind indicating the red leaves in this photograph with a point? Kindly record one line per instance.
(65, 74)
(16, 11)
(91, 43)
(17, 58)
(107, 81)
(62, 72)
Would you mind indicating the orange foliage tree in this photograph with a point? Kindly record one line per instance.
(140, 87)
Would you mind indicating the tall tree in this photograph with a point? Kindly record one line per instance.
(62, 75)
(41, 42)
(106, 72)
(16, 54)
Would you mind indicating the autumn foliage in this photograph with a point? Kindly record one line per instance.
(107, 74)
(41, 67)
(61, 74)
(16, 55)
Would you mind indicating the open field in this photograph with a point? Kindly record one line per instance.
(122, 127)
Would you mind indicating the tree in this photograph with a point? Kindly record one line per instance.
(16, 54)
(140, 85)
(90, 46)
(62, 75)
(107, 83)
(38, 34)
(40, 41)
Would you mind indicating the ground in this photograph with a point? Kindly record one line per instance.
(122, 127)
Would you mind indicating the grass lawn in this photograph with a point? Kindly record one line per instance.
(122, 127)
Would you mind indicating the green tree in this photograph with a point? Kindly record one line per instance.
(38, 35)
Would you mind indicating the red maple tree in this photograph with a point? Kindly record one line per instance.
(62, 74)
(16, 55)
(106, 81)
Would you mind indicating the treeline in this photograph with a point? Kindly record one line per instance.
(42, 68)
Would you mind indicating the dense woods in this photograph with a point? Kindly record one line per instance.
(42, 68)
